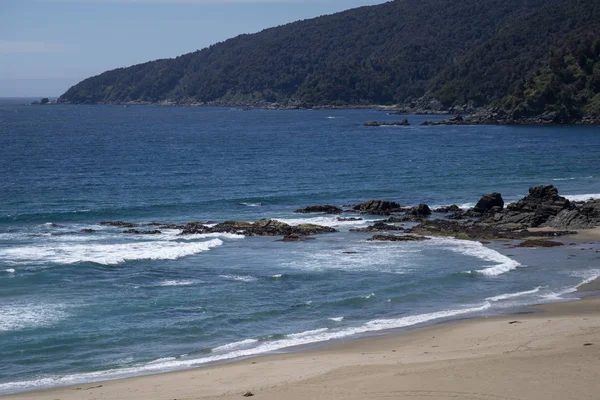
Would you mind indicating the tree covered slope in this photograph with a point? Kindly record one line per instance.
(478, 51)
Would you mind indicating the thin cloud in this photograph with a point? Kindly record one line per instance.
(19, 46)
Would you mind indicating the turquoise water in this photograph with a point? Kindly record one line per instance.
(78, 307)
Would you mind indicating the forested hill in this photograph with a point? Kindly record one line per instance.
(477, 51)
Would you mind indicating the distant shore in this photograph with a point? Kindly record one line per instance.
(551, 352)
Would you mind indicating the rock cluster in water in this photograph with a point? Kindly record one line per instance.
(543, 207)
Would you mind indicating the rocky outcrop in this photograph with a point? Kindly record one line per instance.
(492, 202)
(264, 227)
(585, 216)
(119, 224)
(379, 207)
(447, 209)
(403, 122)
(326, 209)
(397, 238)
(138, 232)
(378, 227)
(539, 243)
(541, 205)
(422, 210)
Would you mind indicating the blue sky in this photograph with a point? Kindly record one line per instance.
(46, 46)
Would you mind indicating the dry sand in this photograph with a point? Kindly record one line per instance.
(552, 354)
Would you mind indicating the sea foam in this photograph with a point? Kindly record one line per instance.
(107, 254)
(507, 296)
(502, 263)
(582, 197)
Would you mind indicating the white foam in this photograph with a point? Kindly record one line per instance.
(277, 276)
(178, 283)
(582, 197)
(588, 277)
(19, 316)
(297, 339)
(369, 296)
(336, 319)
(324, 221)
(507, 296)
(107, 254)
(240, 278)
(563, 179)
(234, 345)
(502, 263)
(10, 270)
(252, 204)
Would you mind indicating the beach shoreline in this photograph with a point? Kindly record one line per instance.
(440, 361)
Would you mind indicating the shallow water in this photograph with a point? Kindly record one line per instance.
(79, 307)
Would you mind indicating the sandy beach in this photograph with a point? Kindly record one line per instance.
(553, 353)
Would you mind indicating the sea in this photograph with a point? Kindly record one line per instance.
(80, 306)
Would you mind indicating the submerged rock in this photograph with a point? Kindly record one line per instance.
(397, 238)
(119, 224)
(327, 209)
(539, 243)
(447, 209)
(403, 122)
(138, 232)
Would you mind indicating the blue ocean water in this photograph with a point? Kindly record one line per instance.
(78, 307)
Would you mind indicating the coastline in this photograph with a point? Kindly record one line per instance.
(548, 351)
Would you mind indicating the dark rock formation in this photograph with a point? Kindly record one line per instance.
(447, 209)
(542, 204)
(378, 227)
(397, 238)
(379, 207)
(327, 209)
(138, 232)
(119, 224)
(585, 216)
(294, 237)
(264, 227)
(422, 210)
(458, 120)
(87, 230)
(343, 219)
(403, 122)
(539, 243)
(489, 202)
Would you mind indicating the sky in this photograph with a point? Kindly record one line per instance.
(47, 46)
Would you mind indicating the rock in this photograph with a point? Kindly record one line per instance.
(248, 394)
(379, 207)
(403, 122)
(87, 230)
(138, 232)
(119, 224)
(327, 209)
(422, 210)
(397, 238)
(264, 227)
(448, 209)
(294, 237)
(377, 227)
(539, 243)
(489, 202)
(542, 204)
(582, 217)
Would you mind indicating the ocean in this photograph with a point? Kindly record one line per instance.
(85, 306)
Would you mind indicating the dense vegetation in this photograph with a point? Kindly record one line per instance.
(505, 52)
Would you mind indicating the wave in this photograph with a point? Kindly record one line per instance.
(588, 277)
(188, 282)
(502, 263)
(507, 296)
(107, 254)
(20, 316)
(10, 270)
(582, 197)
(239, 278)
(244, 348)
(336, 319)
(251, 204)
